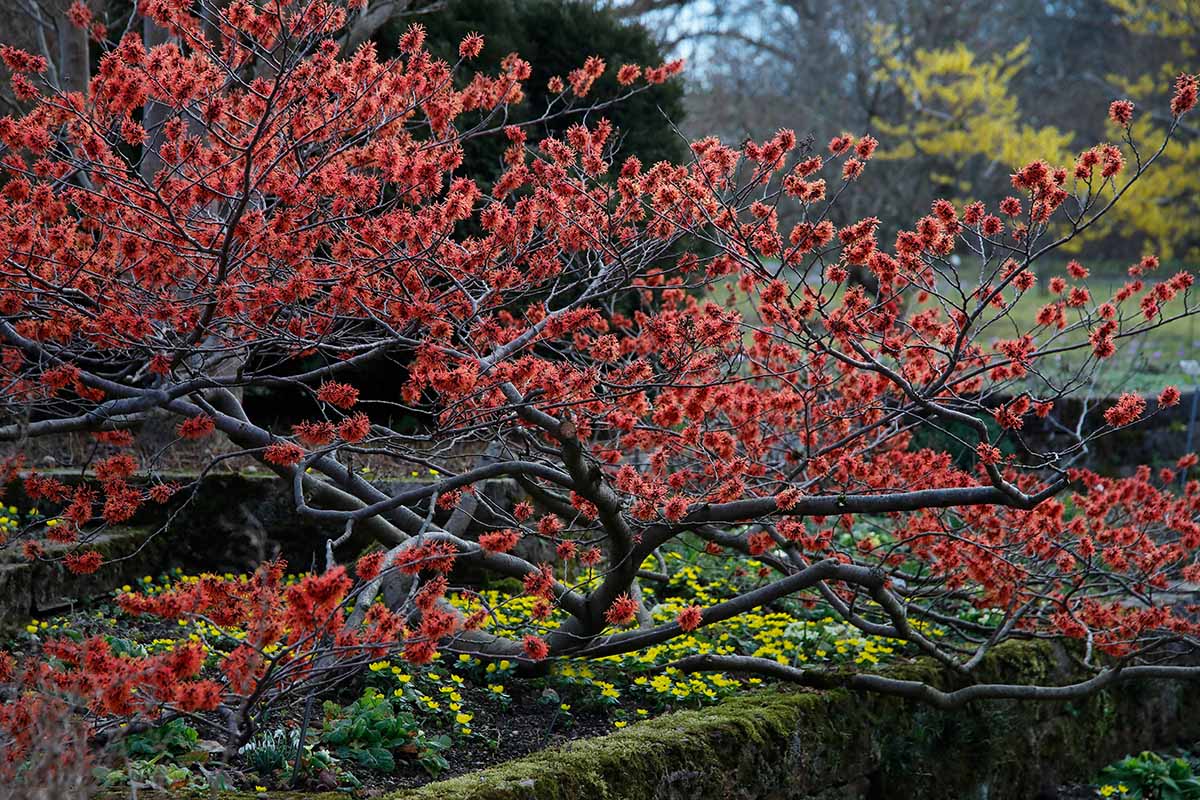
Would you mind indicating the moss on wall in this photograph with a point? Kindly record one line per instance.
(29, 589)
(787, 743)
(791, 743)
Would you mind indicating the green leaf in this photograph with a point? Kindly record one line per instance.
(383, 759)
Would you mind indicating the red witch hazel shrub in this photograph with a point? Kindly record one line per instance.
(660, 358)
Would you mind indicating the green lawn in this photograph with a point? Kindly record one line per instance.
(1143, 363)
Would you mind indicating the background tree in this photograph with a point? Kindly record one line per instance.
(551, 35)
(756, 68)
(1164, 210)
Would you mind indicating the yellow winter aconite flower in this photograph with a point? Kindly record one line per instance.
(442, 696)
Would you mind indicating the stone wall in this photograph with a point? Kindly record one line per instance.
(786, 743)
(1158, 440)
(791, 744)
(32, 589)
(217, 523)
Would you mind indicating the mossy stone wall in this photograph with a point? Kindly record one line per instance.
(792, 744)
(31, 589)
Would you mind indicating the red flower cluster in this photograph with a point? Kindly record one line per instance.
(622, 610)
(1129, 409)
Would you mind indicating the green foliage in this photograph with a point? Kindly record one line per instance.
(175, 738)
(270, 752)
(555, 38)
(159, 773)
(1149, 776)
(370, 731)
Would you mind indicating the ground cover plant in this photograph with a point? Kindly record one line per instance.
(420, 722)
(1144, 776)
(236, 203)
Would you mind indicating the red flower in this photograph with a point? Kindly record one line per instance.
(675, 508)
(865, 147)
(341, 395)
(121, 501)
(1113, 161)
(540, 582)
(196, 427)
(689, 618)
(354, 428)
(241, 668)
(622, 611)
(628, 73)
(1185, 94)
(314, 434)
(19, 61)
(471, 45)
(420, 651)
(198, 696)
(162, 492)
(549, 525)
(413, 38)
(117, 467)
(535, 647)
(1010, 206)
(80, 15)
(368, 567)
(499, 541)
(787, 499)
(840, 144)
(428, 596)
(1168, 397)
(759, 542)
(84, 563)
(988, 454)
(581, 79)
(285, 454)
(1121, 112)
(1128, 409)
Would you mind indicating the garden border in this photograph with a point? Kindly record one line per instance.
(799, 744)
(786, 742)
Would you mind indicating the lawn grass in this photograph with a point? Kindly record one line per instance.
(1144, 363)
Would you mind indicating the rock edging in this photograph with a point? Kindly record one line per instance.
(806, 745)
